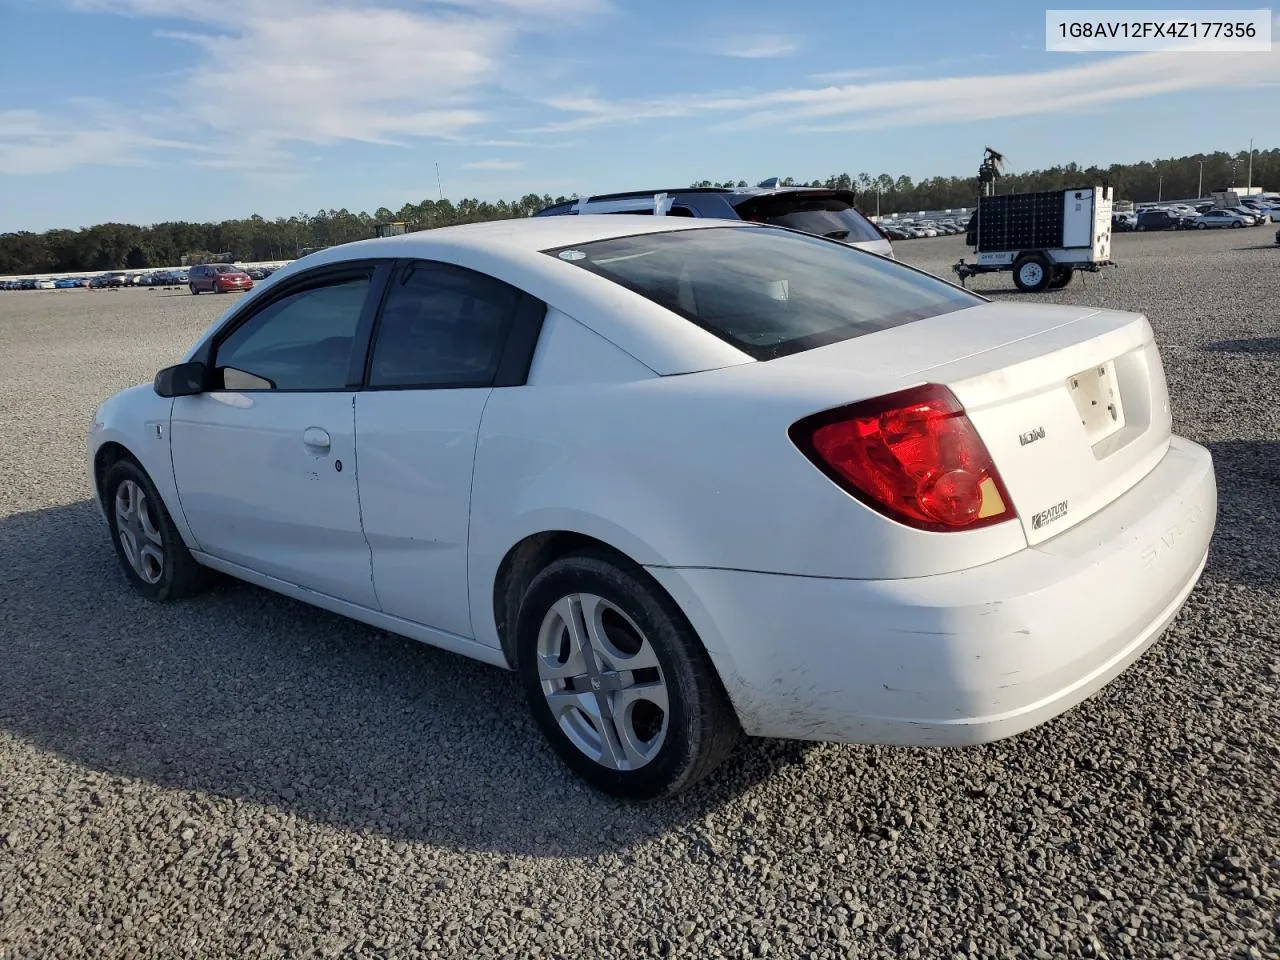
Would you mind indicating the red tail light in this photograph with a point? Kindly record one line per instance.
(912, 456)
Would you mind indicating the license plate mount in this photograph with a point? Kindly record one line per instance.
(1096, 394)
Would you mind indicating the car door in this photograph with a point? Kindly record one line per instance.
(445, 337)
(265, 459)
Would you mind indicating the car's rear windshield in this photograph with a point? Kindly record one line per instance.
(822, 216)
(769, 292)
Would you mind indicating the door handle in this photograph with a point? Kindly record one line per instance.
(315, 437)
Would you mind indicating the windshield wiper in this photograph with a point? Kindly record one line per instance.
(836, 234)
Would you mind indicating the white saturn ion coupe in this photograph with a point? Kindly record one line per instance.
(689, 478)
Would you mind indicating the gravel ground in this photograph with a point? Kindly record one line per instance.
(242, 775)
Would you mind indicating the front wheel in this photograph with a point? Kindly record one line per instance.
(1202, 226)
(149, 547)
(618, 681)
(1237, 224)
(194, 291)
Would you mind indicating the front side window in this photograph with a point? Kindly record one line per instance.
(769, 292)
(300, 342)
(442, 326)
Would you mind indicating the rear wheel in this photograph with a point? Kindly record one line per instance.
(1061, 277)
(618, 681)
(1032, 273)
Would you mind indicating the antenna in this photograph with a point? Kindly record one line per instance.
(990, 171)
(439, 188)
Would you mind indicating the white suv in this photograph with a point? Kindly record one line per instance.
(816, 210)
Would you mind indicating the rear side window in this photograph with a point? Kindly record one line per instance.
(769, 292)
(822, 216)
(442, 326)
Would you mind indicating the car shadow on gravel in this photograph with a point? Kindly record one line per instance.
(1245, 549)
(247, 695)
(1248, 345)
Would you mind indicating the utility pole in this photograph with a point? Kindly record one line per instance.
(1200, 188)
(1250, 165)
(439, 188)
(1160, 188)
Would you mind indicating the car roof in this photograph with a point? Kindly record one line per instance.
(511, 251)
(523, 235)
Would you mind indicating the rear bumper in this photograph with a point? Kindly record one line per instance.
(965, 657)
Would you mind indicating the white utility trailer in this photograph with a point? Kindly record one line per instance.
(1043, 238)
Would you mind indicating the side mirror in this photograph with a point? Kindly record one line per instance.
(181, 380)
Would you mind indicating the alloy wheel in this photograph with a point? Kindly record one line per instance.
(139, 536)
(603, 682)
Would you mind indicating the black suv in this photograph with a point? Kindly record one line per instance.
(826, 213)
(1158, 220)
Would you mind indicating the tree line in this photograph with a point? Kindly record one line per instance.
(114, 246)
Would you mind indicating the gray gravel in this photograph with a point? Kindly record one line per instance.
(241, 775)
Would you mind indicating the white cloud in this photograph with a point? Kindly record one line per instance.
(269, 75)
(903, 102)
(32, 142)
(842, 76)
(493, 165)
(326, 73)
(756, 47)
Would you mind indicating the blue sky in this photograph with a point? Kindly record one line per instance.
(147, 110)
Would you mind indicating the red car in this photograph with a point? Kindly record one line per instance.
(217, 278)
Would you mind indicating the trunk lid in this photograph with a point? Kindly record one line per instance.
(1071, 402)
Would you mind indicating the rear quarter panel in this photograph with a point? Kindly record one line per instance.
(689, 471)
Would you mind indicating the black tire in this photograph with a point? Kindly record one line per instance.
(180, 576)
(1237, 224)
(1061, 277)
(194, 291)
(699, 727)
(1032, 281)
(1202, 226)
(1140, 228)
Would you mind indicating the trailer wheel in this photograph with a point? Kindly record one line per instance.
(1032, 273)
(1061, 277)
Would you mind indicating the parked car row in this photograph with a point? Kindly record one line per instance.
(899, 229)
(1203, 215)
(62, 283)
(115, 279)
